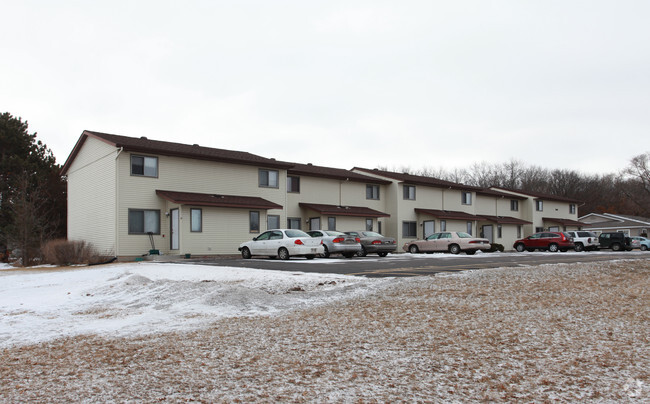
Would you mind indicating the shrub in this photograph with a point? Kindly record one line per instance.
(63, 252)
(496, 247)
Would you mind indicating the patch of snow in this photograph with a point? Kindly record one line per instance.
(140, 298)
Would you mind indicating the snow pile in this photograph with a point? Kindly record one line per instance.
(40, 304)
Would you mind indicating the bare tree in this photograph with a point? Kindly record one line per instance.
(637, 179)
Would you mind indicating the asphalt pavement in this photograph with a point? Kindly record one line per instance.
(419, 264)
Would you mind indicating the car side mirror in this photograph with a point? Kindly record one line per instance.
(254, 238)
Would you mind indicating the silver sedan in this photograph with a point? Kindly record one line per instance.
(336, 242)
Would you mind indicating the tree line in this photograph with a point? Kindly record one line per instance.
(626, 192)
(33, 193)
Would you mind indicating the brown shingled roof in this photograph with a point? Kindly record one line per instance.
(144, 145)
(564, 222)
(505, 220)
(332, 173)
(436, 183)
(334, 210)
(539, 195)
(413, 179)
(448, 214)
(226, 201)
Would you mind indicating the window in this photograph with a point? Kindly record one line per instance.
(469, 227)
(144, 166)
(331, 223)
(293, 184)
(466, 198)
(514, 205)
(519, 231)
(499, 231)
(272, 222)
(409, 192)
(254, 222)
(443, 225)
(372, 191)
(409, 229)
(538, 229)
(539, 205)
(196, 220)
(268, 178)
(369, 224)
(142, 221)
(572, 208)
(293, 223)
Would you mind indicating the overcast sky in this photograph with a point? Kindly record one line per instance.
(558, 84)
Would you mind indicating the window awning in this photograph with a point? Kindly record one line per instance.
(334, 210)
(505, 220)
(448, 214)
(564, 222)
(224, 201)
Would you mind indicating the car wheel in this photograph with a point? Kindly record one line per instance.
(520, 247)
(310, 256)
(644, 247)
(362, 252)
(616, 247)
(579, 247)
(454, 249)
(326, 252)
(470, 252)
(283, 253)
(553, 247)
(246, 253)
(413, 249)
(382, 254)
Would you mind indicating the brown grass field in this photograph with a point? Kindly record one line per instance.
(555, 333)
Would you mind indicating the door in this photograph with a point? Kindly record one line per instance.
(314, 223)
(488, 233)
(429, 228)
(173, 229)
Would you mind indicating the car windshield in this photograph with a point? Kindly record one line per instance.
(372, 234)
(292, 233)
(462, 234)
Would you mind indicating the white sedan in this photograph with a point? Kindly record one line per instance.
(282, 243)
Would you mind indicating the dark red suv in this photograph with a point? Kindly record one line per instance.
(545, 240)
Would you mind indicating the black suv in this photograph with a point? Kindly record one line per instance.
(616, 241)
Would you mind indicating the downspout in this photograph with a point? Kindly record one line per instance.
(117, 200)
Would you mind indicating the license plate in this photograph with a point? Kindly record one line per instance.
(313, 250)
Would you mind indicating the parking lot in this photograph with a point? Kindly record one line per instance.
(421, 264)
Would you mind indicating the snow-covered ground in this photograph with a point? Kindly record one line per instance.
(44, 303)
(152, 332)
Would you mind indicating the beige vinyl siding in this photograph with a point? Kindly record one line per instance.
(91, 196)
(187, 175)
(223, 230)
(489, 205)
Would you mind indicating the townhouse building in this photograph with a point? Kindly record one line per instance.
(128, 195)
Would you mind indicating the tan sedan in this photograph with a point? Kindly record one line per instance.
(449, 241)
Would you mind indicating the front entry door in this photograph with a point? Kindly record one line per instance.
(173, 229)
(314, 223)
(429, 228)
(487, 232)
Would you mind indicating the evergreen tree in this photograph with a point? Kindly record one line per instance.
(32, 192)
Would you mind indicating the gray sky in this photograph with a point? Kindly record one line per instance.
(559, 84)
